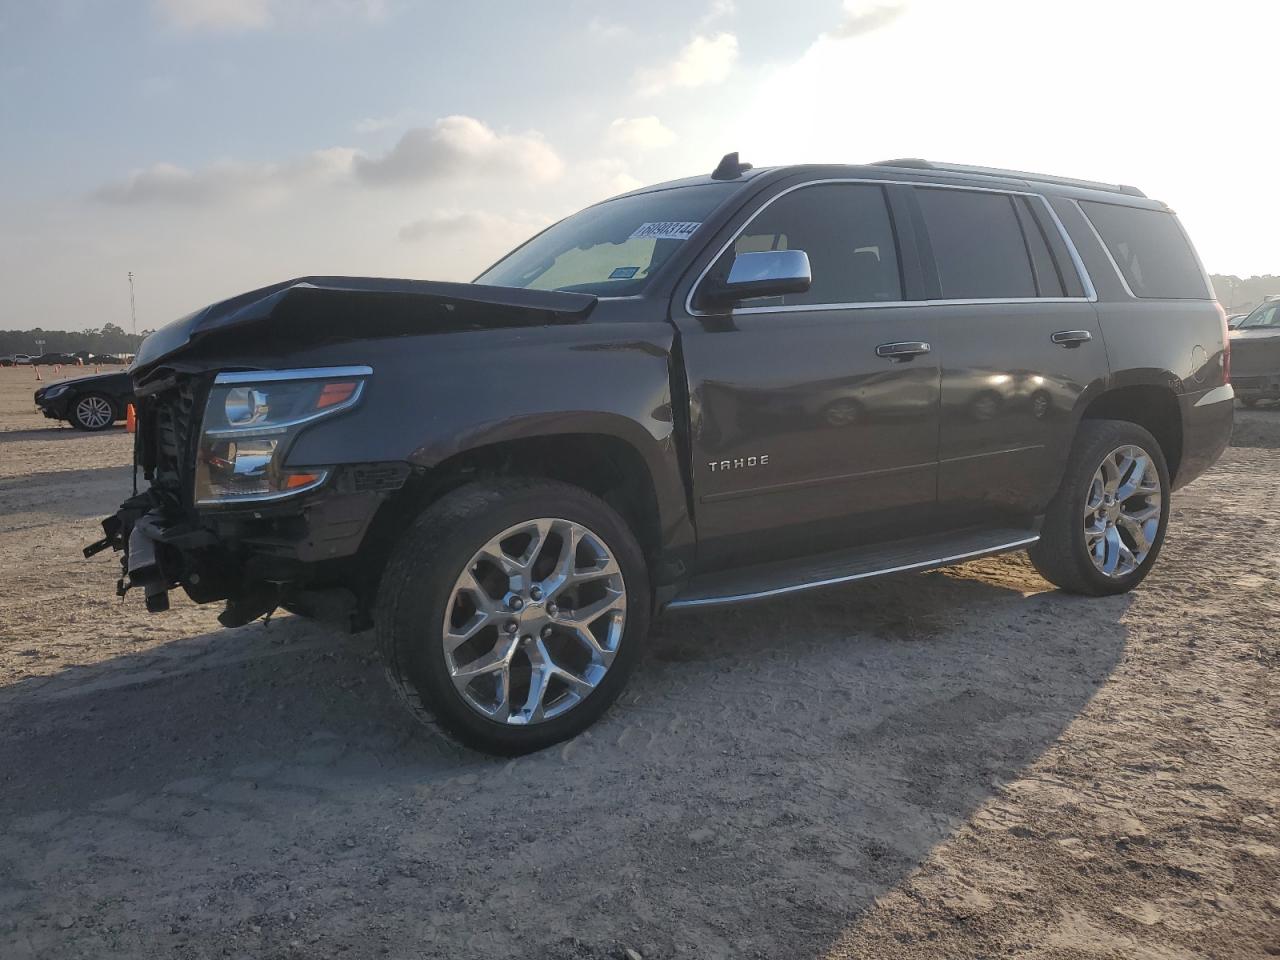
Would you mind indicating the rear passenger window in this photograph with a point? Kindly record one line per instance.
(978, 244)
(846, 232)
(1150, 249)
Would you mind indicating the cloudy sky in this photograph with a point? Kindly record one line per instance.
(211, 146)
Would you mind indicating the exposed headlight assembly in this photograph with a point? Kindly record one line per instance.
(250, 421)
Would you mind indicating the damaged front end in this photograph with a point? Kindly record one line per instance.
(222, 396)
(225, 517)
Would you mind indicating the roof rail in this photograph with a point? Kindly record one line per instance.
(916, 164)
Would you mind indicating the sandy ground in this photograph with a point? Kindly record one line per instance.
(956, 764)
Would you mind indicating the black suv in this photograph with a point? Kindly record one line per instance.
(709, 391)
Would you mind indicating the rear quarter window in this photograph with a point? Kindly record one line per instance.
(1150, 249)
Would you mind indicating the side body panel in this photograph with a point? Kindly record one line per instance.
(1011, 401)
(802, 438)
(1177, 345)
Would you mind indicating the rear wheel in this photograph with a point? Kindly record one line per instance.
(1105, 526)
(92, 412)
(1249, 402)
(512, 612)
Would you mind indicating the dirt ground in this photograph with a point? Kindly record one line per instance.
(956, 764)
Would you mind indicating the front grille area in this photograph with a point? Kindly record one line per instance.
(171, 422)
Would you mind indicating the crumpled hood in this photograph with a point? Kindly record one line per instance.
(315, 308)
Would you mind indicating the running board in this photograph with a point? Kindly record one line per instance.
(845, 566)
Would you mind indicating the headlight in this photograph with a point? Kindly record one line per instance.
(250, 421)
(54, 392)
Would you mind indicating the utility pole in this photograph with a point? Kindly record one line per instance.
(133, 311)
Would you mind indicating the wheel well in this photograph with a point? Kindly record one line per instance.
(610, 468)
(1153, 408)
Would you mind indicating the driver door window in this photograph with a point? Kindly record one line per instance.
(845, 230)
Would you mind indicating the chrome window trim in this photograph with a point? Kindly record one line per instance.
(678, 604)
(301, 373)
(1091, 294)
(1106, 250)
(1195, 255)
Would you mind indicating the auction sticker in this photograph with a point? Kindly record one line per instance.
(666, 230)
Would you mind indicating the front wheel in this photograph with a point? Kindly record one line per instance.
(1104, 528)
(512, 612)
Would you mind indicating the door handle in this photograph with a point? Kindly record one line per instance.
(903, 350)
(1071, 338)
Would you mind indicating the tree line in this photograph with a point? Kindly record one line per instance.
(1240, 295)
(107, 339)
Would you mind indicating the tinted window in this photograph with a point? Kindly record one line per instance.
(1150, 249)
(1266, 316)
(845, 230)
(1048, 276)
(613, 248)
(977, 245)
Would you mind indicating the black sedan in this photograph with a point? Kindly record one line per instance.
(87, 403)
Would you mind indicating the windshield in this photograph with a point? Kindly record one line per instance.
(613, 248)
(1267, 315)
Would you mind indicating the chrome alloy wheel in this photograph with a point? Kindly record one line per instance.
(534, 621)
(94, 412)
(1122, 511)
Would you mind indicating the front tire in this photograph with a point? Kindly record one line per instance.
(512, 612)
(1105, 526)
(92, 412)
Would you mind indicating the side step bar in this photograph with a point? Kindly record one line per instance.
(845, 566)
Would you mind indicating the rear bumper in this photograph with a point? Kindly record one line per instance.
(1258, 388)
(1207, 417)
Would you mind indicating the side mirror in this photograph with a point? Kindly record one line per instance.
(769, 273)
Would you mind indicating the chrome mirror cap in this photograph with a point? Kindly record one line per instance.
(770, 267)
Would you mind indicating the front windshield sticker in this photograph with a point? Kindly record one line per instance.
(624, 273)
(666, 230)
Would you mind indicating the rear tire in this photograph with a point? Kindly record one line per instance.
(1071, 552)
(429, 593)
(1249, 402)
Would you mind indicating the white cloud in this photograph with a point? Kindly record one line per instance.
(604, 177)
(165, 183)
(603, 29)
(451, 149)
(644, 133)
(215, 14)
(499, 231)
(260, 14)
(704, 60)
(718, 10)
(863, 16)
(400, 118)
(461, 147)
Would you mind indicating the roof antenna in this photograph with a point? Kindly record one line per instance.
(730, 168)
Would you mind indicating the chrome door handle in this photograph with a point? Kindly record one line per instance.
(903, 350)
(1071, 338)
